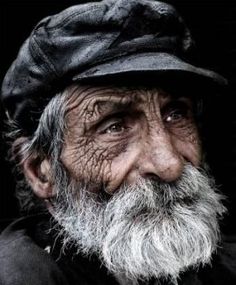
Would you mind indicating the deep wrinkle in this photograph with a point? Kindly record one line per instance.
(109, 100)
(113, 132)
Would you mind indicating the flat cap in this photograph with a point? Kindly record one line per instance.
(95, 41)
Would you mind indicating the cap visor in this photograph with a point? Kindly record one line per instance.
(154, 63)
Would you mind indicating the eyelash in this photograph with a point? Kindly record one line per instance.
(121, 123)
(176, 108)
(115, 120)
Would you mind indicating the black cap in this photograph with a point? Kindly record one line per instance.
(98, 40)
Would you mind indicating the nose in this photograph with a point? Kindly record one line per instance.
(160, 159)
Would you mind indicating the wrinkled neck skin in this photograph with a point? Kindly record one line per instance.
(118, 135)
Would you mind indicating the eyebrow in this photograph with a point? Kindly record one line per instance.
(106, 106)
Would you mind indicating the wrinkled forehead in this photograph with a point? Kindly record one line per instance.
(113, 95)
(87, 104)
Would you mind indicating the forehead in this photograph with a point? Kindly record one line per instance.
(89, 104)
(102, 97)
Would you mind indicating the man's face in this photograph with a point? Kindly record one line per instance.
(130, 188)
(119, 135)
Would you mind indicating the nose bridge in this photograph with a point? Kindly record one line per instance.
(160, 157)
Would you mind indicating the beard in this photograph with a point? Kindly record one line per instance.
(151, 229)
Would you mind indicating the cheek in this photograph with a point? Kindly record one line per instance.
(121, 166)
(189, 146)
(91, 161)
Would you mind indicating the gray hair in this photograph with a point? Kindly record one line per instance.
(45, 142)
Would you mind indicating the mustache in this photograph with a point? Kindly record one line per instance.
(164, 195)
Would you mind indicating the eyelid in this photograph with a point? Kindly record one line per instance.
(175, 105)
(102, 129)
(109, 120)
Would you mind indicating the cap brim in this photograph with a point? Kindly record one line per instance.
(154, 63)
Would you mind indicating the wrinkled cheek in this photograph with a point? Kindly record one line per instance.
(85, 164)
(96, 163)
(188, 144)
(120, 168)
(94, 168)
(113, 171)
(191, 151)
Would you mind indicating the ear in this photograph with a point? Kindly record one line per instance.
(38, 176)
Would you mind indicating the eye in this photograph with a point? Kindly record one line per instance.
(115, 128)
(174, 116)
(175, 112)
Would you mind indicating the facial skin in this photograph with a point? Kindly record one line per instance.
(141, 147)
(117, 135)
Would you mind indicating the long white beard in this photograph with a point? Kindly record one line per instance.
(147, 230)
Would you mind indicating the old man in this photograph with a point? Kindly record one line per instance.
(104, 101)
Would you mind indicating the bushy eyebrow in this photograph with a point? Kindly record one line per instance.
(105, 106)
(102, 107)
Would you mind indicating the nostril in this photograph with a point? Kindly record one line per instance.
(152, 176)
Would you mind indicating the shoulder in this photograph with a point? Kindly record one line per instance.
(222, 270)
(227, 255)
(22, 261)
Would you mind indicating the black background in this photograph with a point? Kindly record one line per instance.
(213, 25)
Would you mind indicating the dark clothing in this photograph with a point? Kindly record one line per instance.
(31, 255)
